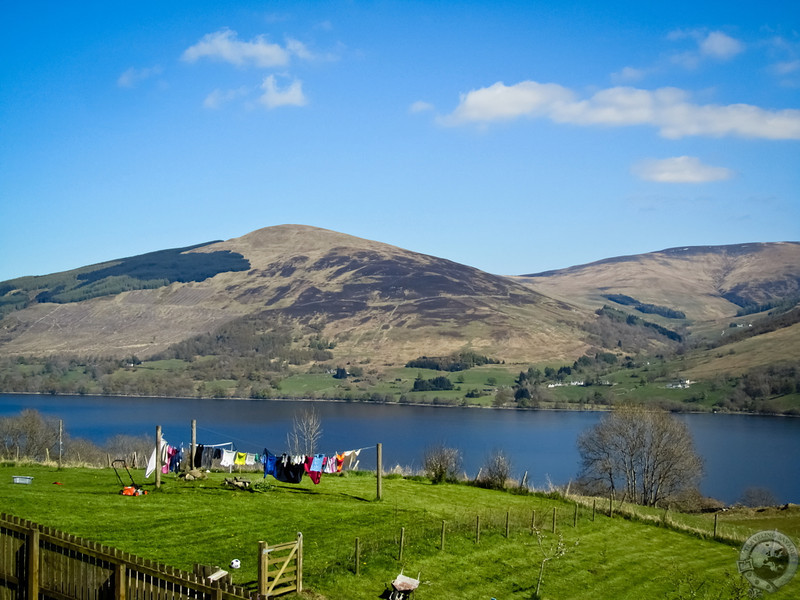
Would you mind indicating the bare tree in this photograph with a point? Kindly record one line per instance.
(758, 496)
(647, 455)
(442, 463)
(30, 435)
(306, 433)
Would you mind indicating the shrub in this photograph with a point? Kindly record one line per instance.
(495, 471)
(442, 463)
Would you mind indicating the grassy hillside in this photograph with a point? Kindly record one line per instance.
(188, 522)
(706, 283)
(146, 271)
(373, 299)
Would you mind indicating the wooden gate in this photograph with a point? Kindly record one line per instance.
(280, 568)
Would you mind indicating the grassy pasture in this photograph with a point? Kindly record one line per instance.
(202, 521)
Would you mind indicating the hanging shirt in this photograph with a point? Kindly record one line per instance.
(175, 460)
(197, 459)
(250, 459)
(313, 467)
(268, 460)
(240, 458)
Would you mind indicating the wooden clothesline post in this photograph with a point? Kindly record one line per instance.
(193, 447)
(379, 471)
(158, 456)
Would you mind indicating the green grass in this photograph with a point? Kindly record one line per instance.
(188, 522)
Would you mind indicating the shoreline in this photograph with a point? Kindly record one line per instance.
(580, 408)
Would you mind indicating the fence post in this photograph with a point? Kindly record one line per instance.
(358, 557)
(533, 521)
(594, 507)
(441, 548)
(575, 516)
(507, 523)
(477, 529)
(379, 471)
(263, 568)
(402, 543)
(715, 524)
(299, 562)
(33, 563)
(610, 507)
(554, 519)
(120, 580)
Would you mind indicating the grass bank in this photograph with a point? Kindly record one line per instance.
(204, 522)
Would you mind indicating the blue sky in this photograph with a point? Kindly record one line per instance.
(515, 137)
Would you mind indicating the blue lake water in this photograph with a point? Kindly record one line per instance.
(739, 450)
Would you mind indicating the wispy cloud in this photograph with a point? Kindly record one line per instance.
(225, 46)
(219, 97)
(133, 76)
(680, 169)
(786, 67)
(628, 74)
(715, 45)
(420, 106)
(719, 45)
(273, 97)
(667, 109)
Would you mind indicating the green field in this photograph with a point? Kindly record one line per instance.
(204, 522)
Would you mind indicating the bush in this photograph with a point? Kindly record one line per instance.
(442, 463)
(495, 471)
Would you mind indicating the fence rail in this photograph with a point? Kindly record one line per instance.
(40, 562)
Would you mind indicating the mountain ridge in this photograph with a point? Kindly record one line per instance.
(387, 303)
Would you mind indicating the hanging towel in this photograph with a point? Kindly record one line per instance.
(151, 463)
(250, 459)
(228, 458)
(240, 458)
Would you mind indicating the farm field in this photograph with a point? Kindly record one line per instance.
(206, 522)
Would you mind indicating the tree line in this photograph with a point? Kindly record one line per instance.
(460, 361)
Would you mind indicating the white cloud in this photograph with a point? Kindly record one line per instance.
(681, 169)
(501, 102)
(223, 45)
(718, 45)
(667, 109)
(420, 106)
(133, 76)
(289, 96)
(219, 97)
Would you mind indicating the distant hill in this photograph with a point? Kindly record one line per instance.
(706, 283)
(366, 301)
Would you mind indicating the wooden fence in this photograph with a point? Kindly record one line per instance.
(40, 562)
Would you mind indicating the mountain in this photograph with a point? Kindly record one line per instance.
(706, 283)
(369, 301)
(373, 299)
